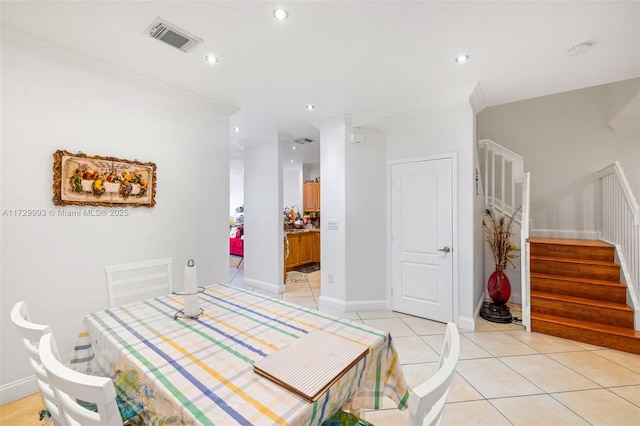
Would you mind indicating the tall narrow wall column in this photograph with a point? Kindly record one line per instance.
(263, 244)
(353, 217)
(333, 139)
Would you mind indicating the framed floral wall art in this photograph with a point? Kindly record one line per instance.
(92, 180)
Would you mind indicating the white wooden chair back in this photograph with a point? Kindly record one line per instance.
(427, 401)
(31, 334)
(71, 386)
(132, 282)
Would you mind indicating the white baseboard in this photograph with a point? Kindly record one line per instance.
(575, 234)
(330, 304)
(633, 299)
(270, 288)
(18, 389)
(470, 323)
(367, 305)
(466, 323)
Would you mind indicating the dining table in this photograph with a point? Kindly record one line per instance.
(200, 370)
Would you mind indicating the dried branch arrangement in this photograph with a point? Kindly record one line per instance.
(499, 237)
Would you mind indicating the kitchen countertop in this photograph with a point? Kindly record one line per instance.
(301, 231)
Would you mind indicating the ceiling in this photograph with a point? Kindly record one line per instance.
(345, 57)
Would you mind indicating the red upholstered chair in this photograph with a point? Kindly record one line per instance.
(236, 241)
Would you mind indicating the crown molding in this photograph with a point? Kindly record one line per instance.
(259, 140)
(337, 120)
(68, 57)
(408, 109)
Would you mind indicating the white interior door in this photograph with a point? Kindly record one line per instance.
(422, 234)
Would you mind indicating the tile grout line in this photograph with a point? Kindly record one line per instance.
(365, 318)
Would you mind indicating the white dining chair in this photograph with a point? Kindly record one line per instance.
(427, 401)
(132, 282)
(30, 334)
(71, 387)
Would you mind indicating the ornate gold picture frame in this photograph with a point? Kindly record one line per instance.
(92, 180)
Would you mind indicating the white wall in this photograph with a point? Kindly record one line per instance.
(311, 171)
(354, 185)
(447, 125)
(564, 139)
(353, 273)
(292, 187)
(333, 136)
(354, 263)
(292, 181)
(365, 227)
(236, 186)
(56, 264)
(263, 236)
(481, 272)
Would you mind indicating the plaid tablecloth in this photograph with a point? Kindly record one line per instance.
(185, 371)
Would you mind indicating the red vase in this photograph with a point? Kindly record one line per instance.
(499, 287)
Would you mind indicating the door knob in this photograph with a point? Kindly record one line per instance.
(446, 249)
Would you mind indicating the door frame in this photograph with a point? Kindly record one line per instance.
(453, 156)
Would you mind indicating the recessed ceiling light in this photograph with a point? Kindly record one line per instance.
(280, 14)
(236, 129)
(211, 59)
(461, 59)
(310, 107)
(293, 147)
(579, 49)
(291, 161)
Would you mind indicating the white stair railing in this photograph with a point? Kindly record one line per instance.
(525, 275)
(507, 188)
(501, 164)
(621, 227)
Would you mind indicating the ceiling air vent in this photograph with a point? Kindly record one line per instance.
(180, 39)
(302, 141)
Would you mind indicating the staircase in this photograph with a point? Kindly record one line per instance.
(576, 294)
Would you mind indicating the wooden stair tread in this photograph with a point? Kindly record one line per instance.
(576, 293)
(579, 280)
(575, 261)
(569, 242)
(609, 329)
(582, 301)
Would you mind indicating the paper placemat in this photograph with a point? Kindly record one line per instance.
(311, 364)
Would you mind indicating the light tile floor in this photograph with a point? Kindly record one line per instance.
(505, 375)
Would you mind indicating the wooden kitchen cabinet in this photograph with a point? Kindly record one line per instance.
(315, 250)
(292, 260)
(303, 249)
(311, 197)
